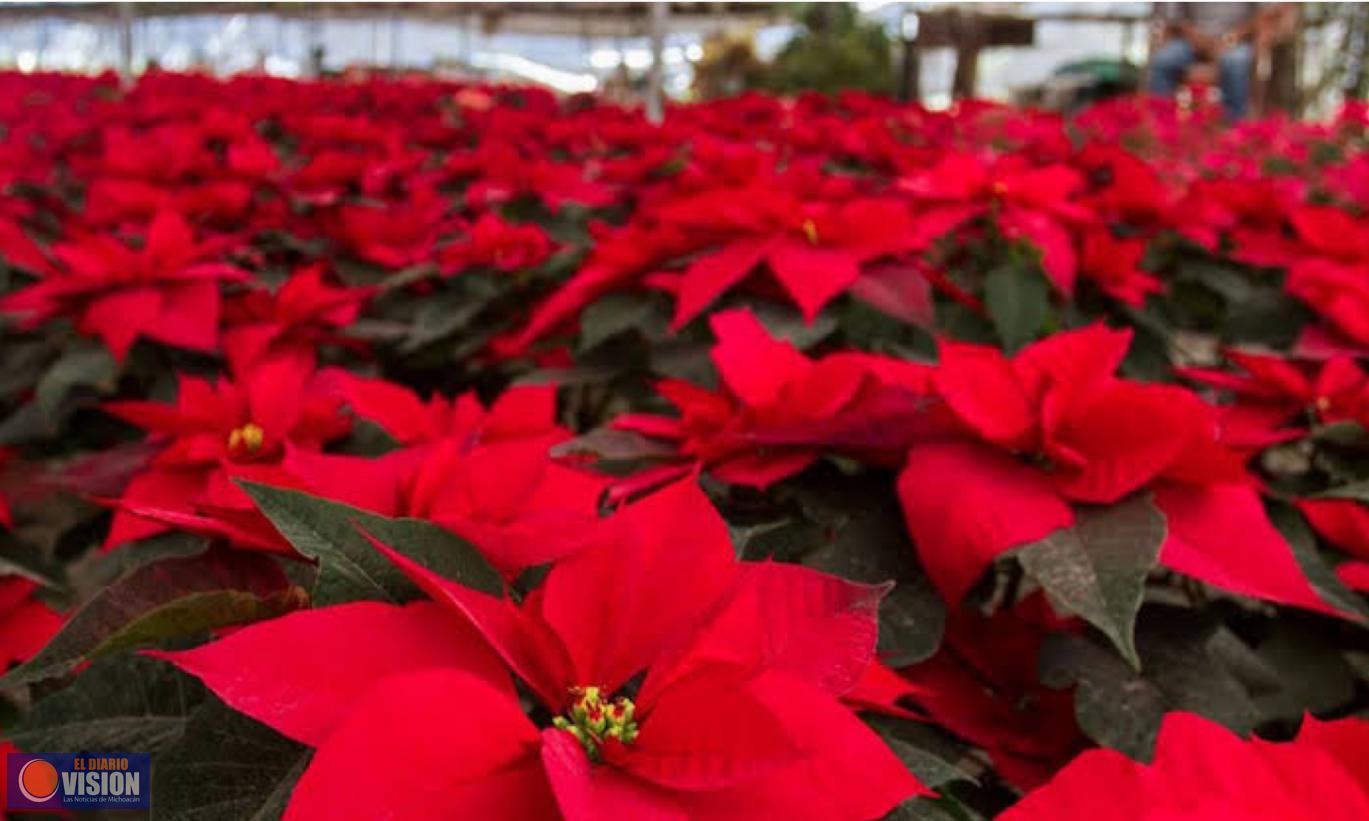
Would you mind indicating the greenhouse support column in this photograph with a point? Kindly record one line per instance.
(655, 79)
(126, 39)
(967, 45)
(910, 70)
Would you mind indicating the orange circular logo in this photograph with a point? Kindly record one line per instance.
(38, 780)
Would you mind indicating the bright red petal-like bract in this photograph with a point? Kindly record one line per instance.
(1202, 770)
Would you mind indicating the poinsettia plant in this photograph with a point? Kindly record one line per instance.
(401, 446)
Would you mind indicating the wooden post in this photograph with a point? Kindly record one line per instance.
(965, 26)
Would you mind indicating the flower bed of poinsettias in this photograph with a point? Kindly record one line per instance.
(422, 450)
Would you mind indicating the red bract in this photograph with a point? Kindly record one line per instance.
(1274, 392)
(166, 290)
(1202, 770)
(618, 258)
(503, 175)
(219, 430)
(395, 236)
(520, 412)
(1132, 192)
(983, 685)
(781, 410)
(1115, 266)
(17, 248)
(26, 623)
(497, 244)
(508, 498)
(301, 314)
(1345, 524)
(1036, 204)
(814, 249)
(1052, 428)
(1247, 212)
(737, 715)
(1331, 278)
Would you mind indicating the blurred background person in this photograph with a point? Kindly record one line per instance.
(1197, 36)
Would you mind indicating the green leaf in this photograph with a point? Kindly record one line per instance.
(784, 322)
(618, 312)
(912, 620)
(226, 766)
(1097, 569)
(97, 570)
(872, 547)
(438, 318)
(350, 568)
(925, 809)
(1017, 300)
(1313, 675)
(89, 365)
(930, 769)
(786, 540)
(614, 445)
(123, 702)
(1121, 708)
(201, 612)
(161, 600)
(20, 558)
(682, 358)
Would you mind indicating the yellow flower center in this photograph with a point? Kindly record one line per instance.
(999, 188)
(810, 230)
(593, 720)
(1323, 404)
(248, 437)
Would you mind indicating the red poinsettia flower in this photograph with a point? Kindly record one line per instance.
(1247, 212)
(619, 257)
(815, 249)
(507, 498)
(487, 475)
(1203, 770)
(1274, 391)
(779, 410)
(395, 236)
(219, 430)
(1115, 266)
(1330, 233)
(1033, 203)
(166, 290)
(502, 174)
(1338, 293)
(1330, 275)
(522, 411)
(326, 174)
(497, 244)
(1130, 191)
(1052, 428)
(299, 315)
(984, 686)
(737, 715)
